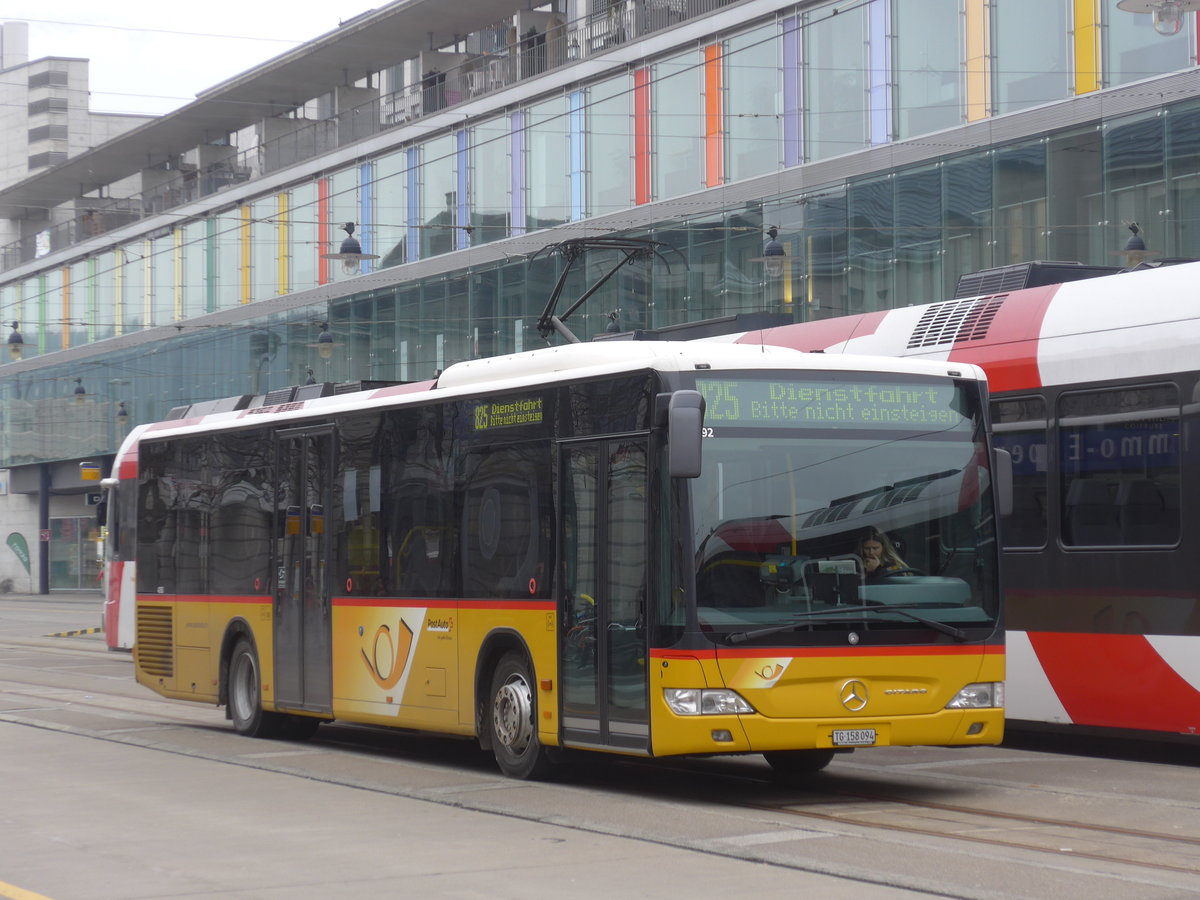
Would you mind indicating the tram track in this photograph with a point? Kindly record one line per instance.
(903, 817)
(1063, 837)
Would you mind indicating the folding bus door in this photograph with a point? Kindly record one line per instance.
(303, 623)
(603, 594)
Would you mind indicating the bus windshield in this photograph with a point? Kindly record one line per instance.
(835, 503)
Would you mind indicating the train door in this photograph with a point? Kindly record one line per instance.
(303, 630)
(602, 598)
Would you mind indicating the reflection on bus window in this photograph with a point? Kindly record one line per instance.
(1020, 428)
(1119, 466)
(777, 513)
(507, 521)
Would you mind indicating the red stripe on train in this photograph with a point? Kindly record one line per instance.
(1117, 681)
(1009, 352)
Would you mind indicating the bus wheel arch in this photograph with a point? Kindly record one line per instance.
(243, 689)
(506, 708)
(238, 629)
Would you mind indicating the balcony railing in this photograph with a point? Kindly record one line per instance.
(530, 56)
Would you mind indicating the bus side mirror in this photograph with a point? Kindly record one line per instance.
(107, 485)
(685, 419)
(1002, 476)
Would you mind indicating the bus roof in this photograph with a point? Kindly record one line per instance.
(556, 365)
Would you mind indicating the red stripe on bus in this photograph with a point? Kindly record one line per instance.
(202, 598)
(424, 602)
(824, 652)
(1116, 681)
(441, 603)
(398, 602)
(174, 423)
(818, 335)
(398, 389)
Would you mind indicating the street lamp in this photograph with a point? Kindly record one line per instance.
(1165, 15)
(774, 258)
(351, 252)
(1135, 252)
(325, 342)
(16, 343)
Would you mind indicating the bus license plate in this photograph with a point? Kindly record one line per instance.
(853, 737)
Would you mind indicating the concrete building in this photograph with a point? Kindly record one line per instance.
(45, 118)
(806, 159)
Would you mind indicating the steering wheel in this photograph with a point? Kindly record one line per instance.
(903, 570)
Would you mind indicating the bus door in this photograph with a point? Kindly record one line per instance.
(602, 601)
(303, 627)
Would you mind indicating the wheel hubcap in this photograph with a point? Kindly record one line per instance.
(513, 714)
(243, 680)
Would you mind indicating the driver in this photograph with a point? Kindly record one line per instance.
(879, 557)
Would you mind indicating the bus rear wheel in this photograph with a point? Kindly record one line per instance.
(512, 719)
(798, 762)
(245, 694)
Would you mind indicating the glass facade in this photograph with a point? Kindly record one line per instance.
(678, 116)
(804, 86)
(1032, 53)
(837, 76)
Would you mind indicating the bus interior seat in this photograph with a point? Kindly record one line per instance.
(1143, 514)
(1091, 515)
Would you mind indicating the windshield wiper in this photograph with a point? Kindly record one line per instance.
(740, 637)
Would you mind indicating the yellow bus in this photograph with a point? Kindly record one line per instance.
(634, 547)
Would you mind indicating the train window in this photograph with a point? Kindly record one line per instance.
(1119, 466)
(1019, 426)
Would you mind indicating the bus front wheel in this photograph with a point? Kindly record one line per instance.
(245, 694)
(798, 762)
(512, 718)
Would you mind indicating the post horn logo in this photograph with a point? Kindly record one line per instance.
(394, 655)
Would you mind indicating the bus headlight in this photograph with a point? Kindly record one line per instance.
(705, 702)
(982, 695)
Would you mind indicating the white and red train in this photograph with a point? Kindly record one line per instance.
(1095, 390)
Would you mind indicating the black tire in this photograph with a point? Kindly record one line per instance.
(798, 762)
(512, 720)
(245, 694)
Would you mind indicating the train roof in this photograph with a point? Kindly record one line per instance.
(1133, 324)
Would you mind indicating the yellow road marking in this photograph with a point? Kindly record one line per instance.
(12, 892)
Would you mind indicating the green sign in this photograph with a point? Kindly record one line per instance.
(17, 543)
(507, 413)
(830, 404)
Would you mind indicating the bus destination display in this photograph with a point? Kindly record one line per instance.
(508, 412)
(858, 404)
